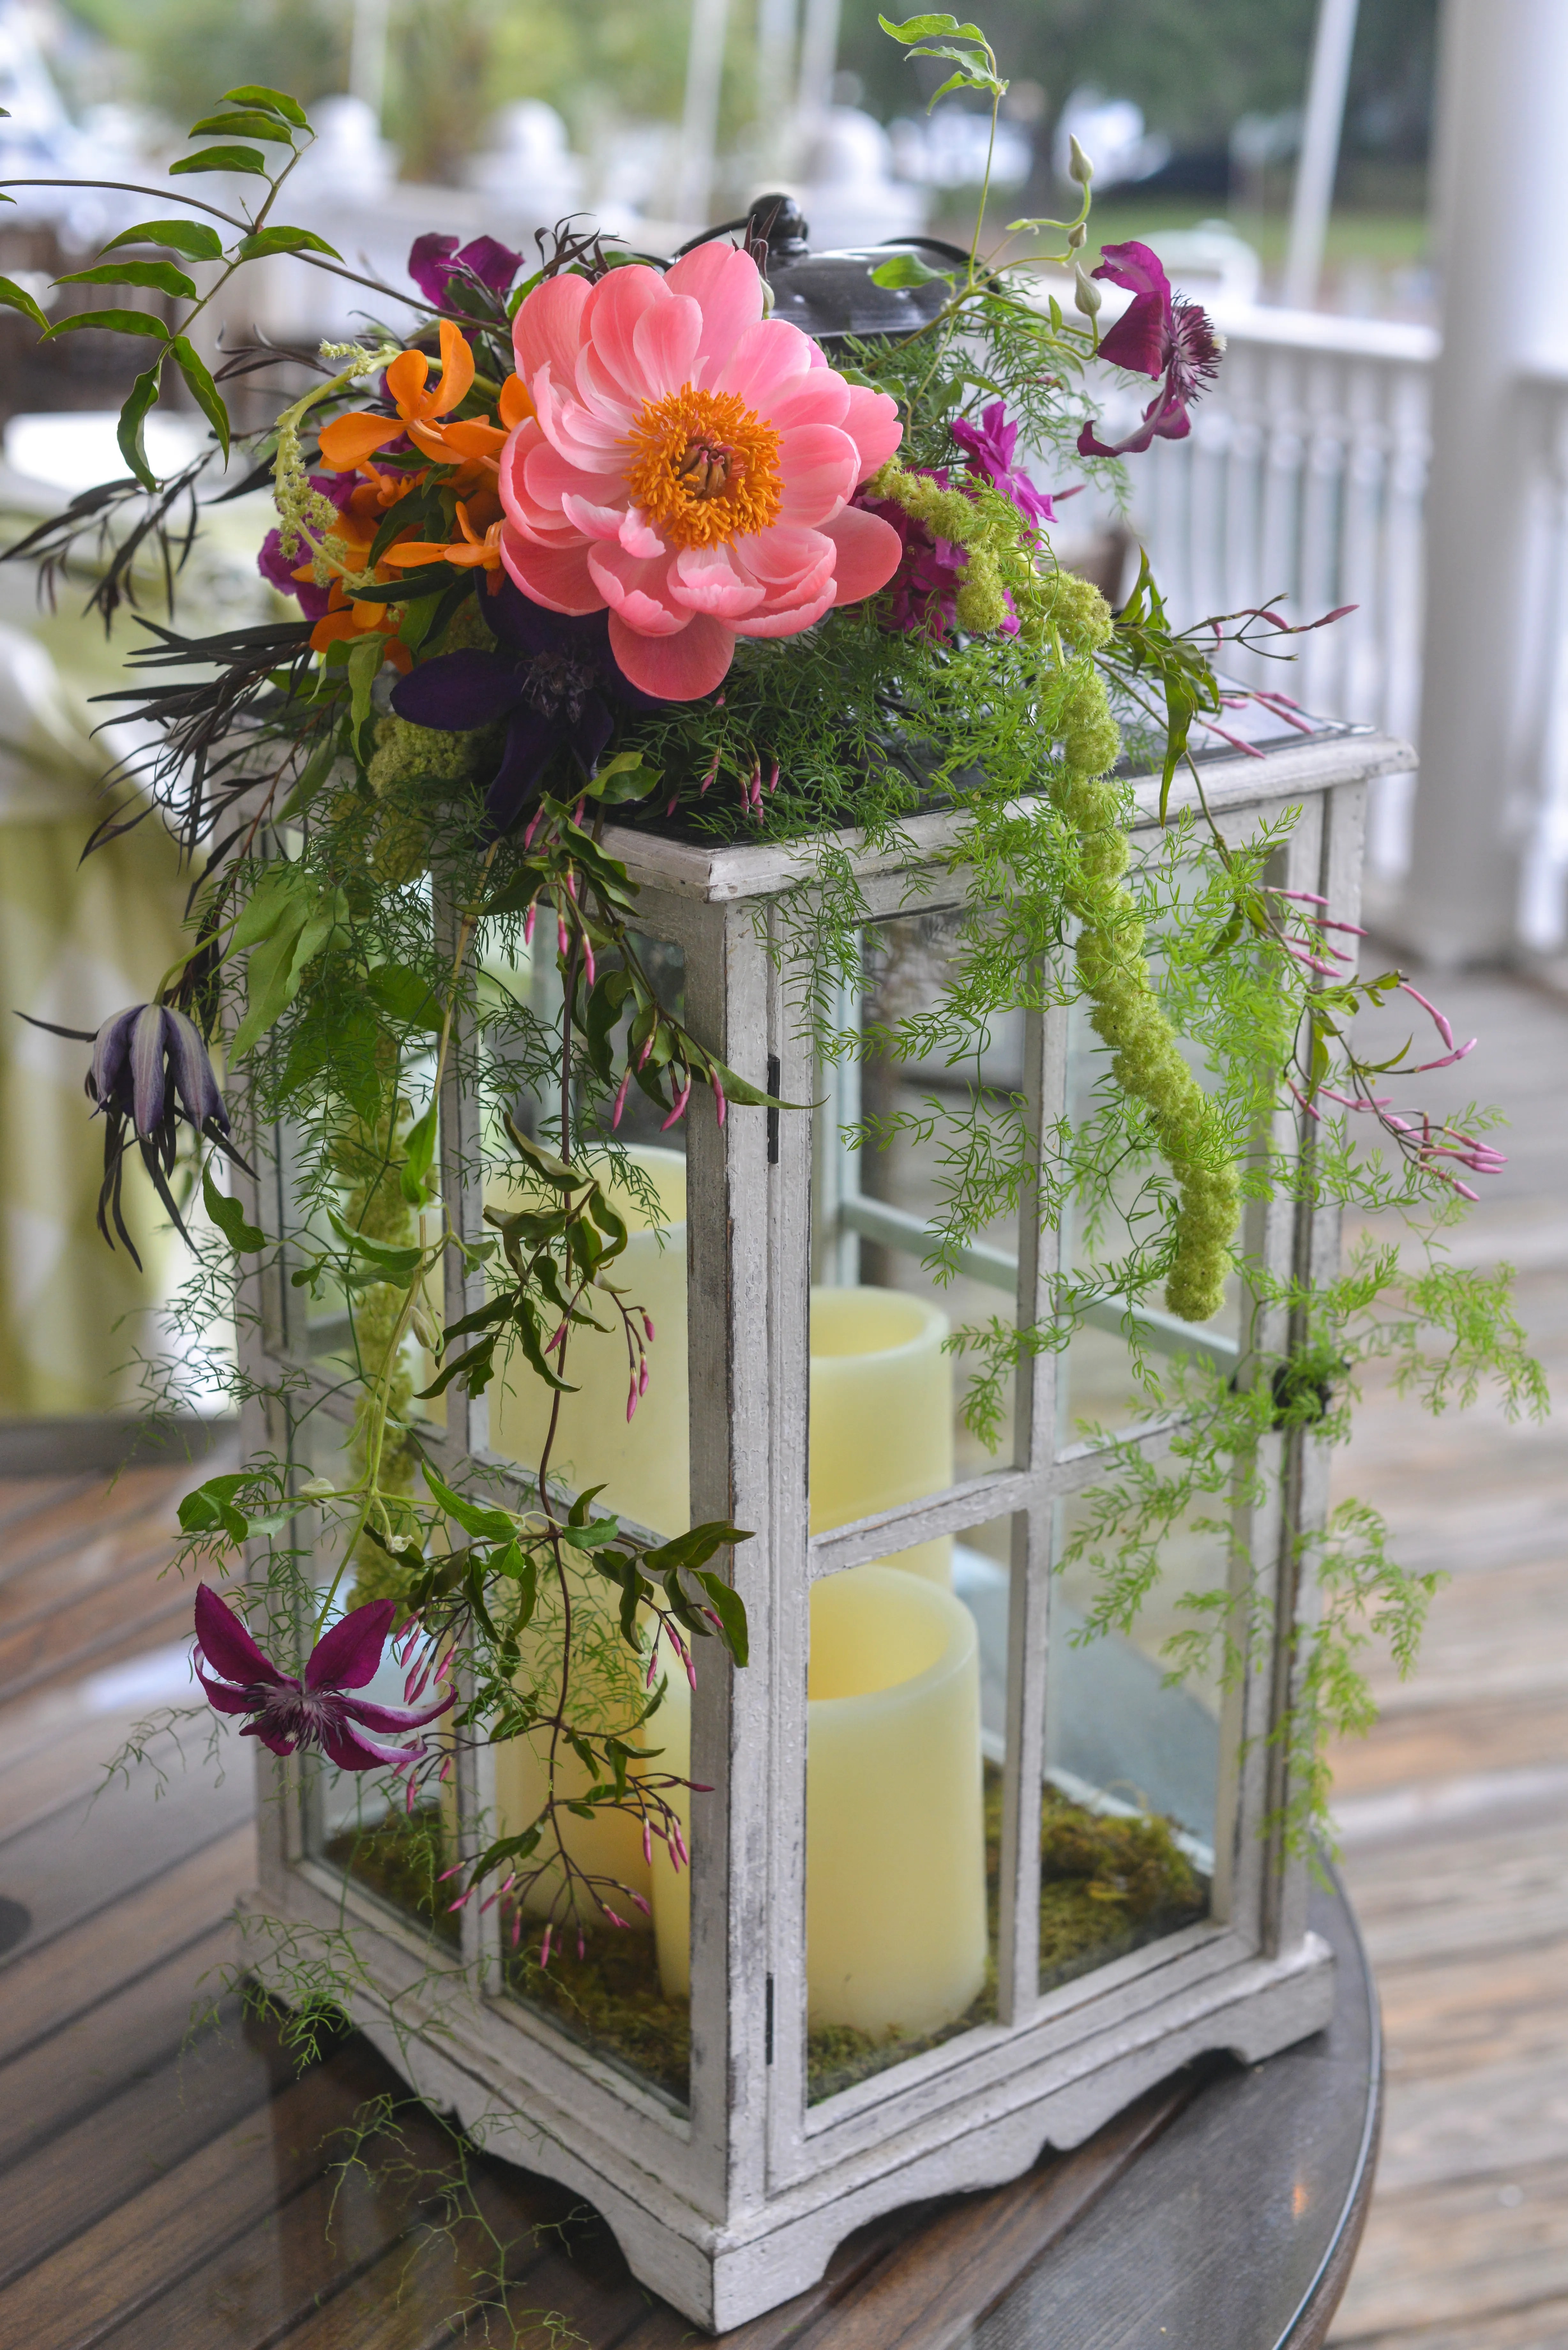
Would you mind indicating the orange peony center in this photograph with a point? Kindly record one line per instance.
(704, 468)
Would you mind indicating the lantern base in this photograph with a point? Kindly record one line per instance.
(514, 2093)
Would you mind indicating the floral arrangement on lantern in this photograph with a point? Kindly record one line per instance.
(605, 535)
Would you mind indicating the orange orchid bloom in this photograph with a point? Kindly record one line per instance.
(349, 441)
(475, 550)
(345, 619)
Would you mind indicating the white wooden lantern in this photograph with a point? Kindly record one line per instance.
(908, 2033)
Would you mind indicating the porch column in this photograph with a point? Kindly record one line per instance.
(1501, 204)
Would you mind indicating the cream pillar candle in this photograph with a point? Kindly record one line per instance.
(881, 1412)
(607, 1680)
(895, 1870)
(643, 1464)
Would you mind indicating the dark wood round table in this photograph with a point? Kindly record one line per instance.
(1236, 2228)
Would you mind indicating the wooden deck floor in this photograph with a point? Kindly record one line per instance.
(1454, 1810)
(164, 2188)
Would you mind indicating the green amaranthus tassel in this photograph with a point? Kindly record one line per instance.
(1113, 960)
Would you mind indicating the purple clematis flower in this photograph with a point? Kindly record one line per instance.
(988, 449)
(318, 1711)
(150, 1069)
(551, 677)
(1155, 335)
(434, 261)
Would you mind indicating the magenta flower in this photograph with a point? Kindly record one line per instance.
(317, 1713)
(988, 449)
(690, 464)
(921, 598)
(1159, 336)
(280, 572)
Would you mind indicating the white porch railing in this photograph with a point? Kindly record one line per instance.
(1306, 474)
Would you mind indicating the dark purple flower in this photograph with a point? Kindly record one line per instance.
(150, 1069)
(1157, 335)
(988, 449)
(551, 677)
(435, 261)
(318, 1711)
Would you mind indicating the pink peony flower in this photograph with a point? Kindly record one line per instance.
(690, 464)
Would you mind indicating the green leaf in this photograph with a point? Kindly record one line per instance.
(160, 275)
(417, 1153)
(263, 241)
(475, 1368)
(230, 1218)
(544, 1163)
(247, 124)
(596, 1536)
(406, 996)
(16, 298)
(316, 769)
(624, 777)
(926, 28)
(202, 390)
(906, 269)
(223, 159)
(276, 101)
(194, 239)
(113, 322)
(729, 1609)
(491, 1526)
(134, 416)
(211, 1510)
(692, 1549)
(366, 655)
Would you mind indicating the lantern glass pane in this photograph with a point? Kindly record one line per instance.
(1132, 1765)
(335, 1317)
(641, 1457)
(1106, 1384)
(359, 1822)
(892, 1404)
(615, 1975)
(906, 1762)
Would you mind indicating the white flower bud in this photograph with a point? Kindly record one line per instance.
(1078, 235)
(425, 1331)
(316, 1489)
(1089, 297)
(1079, 167)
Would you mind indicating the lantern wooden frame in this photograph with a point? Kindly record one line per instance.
(732, 2206)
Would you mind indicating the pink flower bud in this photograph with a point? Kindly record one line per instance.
(544, 1947)
(648, 1843)
(647, 1327)
(642, 1904)
(620, 1100)
(719, 1102)
(528, 920)
(642, 1376)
